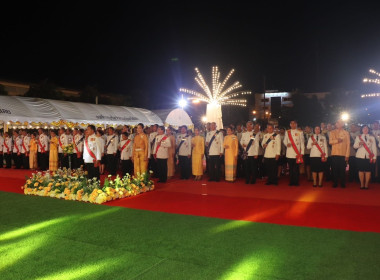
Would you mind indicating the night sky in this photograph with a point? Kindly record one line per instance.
(124, 48)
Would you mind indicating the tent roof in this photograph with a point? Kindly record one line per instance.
(30, 109)
(178, 117)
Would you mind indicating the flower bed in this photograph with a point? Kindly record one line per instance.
(73, 185)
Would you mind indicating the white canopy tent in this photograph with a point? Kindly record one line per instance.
(178, 117)
(31, 112)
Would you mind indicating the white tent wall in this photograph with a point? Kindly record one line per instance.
(26, 109)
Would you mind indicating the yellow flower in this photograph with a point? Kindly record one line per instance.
(57, 184)
(36, 184)
(28, 182)
(50, 185)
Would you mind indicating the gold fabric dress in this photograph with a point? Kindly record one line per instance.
(140, 153)
(198, 143)
(230, 156)
(171, 163)
(33, 154)
(53, 156)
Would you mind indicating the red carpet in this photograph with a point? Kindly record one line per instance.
(346, 209)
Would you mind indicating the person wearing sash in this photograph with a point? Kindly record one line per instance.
(171, 150)
(198, 149)
(317, 144)
(260, 156)
(33, 148)
(214, 150)
(63, 140)
(7, 150)
(92, 153)
(250, 145)
(306, 157)
(272, 149)
(375, 174)
(140, 151)
(353, 173)
(240, 166)
(282, 163)
(366, 156)
(231, 150)
(70, 140)
(53, 156)
(25, 149)
(294, 142)
(102, 142)
(161, 154)
(152, 164)
(78, 141)
(183, 148)
(328, 164)
(125, 148)
(111, 150)
(43, 150)
(1, 151)
(17, 146)
(340, 152)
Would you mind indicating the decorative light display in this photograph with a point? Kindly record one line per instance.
(218, 94)
(374, 81)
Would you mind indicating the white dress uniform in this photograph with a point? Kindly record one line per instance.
(126, 152)
(63, 140)
(260, 136)
(17, 145)
(216, 147)
(79, 142)
(92, 145)
(314, 151)
(273, 149)
(361, 151)
(353, 136)
(43, 143)
(246, 138)
(25, 144)
(163, 151)
(152, 141)
(112, 143)
(185, 149)
(298, 139)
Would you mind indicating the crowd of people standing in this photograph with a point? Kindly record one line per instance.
(247, 151)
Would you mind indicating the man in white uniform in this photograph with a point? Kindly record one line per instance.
(250, 143)
(183, 148)
(92, 153)
(161, 153)
(214, 149)
(272, 150)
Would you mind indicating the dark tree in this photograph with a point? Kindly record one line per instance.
(89, 94)
(45, 89)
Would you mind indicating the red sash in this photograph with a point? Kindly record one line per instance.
(18, 150)
(6, 146)
(371, 155)
(125, 145)
(299, 156)
(42, 147)
(323, 154)
(89, 151)
(23, 145)
(60, 143)
(159, 145)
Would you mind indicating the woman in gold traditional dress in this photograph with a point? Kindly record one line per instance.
(231, 149)
(171, 150)
(198, 145)
(140, 151)
(53, 156)
(33, 152)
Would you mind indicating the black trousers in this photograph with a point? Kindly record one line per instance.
(353, 174)
(1, 161)
(294, 171)
(63, 160)
(260, 166)
(92, 171)
(184, 166)
(338, 164)
(162, 169)
(250, 170)
(328, 169)
(25, 161)
(152, 165)
(214, 168)
(240, 167)
(8, 160)
(17, 159)
(126, 167)
(111, 164)
(271, 170)
(76, 162)
(43, 160)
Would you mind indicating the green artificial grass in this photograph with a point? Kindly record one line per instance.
(45, 238)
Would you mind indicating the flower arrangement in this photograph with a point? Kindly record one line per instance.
(68, 149)
(74, 185)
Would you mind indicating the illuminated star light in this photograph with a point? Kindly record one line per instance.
(374, 81)
(217, 94)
